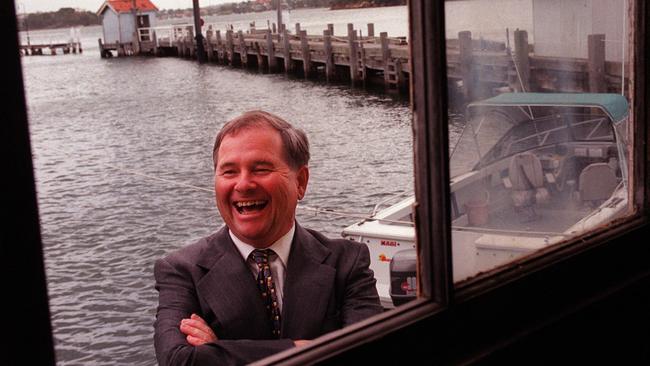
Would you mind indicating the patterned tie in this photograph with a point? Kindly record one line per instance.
(267, 288)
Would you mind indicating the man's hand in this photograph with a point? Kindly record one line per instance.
(197, 330)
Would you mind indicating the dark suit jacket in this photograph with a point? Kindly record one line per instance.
(328, 285)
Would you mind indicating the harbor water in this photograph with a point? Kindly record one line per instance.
(123, 165)
(122, 153)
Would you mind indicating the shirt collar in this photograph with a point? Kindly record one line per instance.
(281, 247)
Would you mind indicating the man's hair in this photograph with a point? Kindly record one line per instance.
(294, 140)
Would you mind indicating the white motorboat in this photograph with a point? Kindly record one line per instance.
(529, 170)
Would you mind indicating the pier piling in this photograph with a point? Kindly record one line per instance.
(385, 58)
(243, 52)
(210, 48)
(354, 57)
(156, 50)
(230, 47)
(102, 53)
(287, 52)
(220, 53)
(596, 60)
(189, 44)
(329, 58)
(371, 29)
(466, 59)
(260, 58)
(270, 50)
(522, 62)
(135, 43)
(306, 56)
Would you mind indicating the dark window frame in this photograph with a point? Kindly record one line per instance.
(439, 308)
(23, 271)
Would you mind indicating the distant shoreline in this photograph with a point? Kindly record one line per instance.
(45, 21)
(366, 4)
(57, 26)
(62, 18)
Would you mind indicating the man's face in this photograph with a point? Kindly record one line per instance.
(257, 192)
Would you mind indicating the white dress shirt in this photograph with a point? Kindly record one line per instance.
(278, 262)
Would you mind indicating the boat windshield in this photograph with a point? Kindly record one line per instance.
(588, 127)
(479, 136)
(496, 134)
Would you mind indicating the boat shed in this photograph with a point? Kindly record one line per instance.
(121, 18)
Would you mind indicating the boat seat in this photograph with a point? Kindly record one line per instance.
(527, 179)
(596, 183)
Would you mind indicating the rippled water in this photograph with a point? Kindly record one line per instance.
(95, 122)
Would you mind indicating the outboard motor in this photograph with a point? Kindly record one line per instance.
(403, 281)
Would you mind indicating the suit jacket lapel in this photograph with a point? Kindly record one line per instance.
(308, 286)
(230, 290)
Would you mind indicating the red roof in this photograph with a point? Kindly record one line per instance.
(126, 6)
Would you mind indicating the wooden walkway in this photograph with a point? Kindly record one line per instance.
(475, 68)
(359, 59)
(53, 48)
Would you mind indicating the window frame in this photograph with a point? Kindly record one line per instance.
(20, 243)
(434, 235)
(428, 91)
(639, 179)
(439, 301)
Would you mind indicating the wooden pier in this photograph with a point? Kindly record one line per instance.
(361, 59)
(53, 48)
(476, 68)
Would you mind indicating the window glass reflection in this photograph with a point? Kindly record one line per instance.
(540, 90)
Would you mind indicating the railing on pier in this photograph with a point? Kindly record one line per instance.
(165, 36)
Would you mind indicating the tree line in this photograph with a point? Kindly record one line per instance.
(249, 6)
(342, 4)
(62, 18)
(69, 17)
(254, 6)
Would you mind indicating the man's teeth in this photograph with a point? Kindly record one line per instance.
(250, 206)
(249, 203)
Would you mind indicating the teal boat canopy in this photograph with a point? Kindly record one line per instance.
(615, 105)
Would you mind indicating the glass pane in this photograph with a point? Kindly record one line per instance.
(123, 153)
(539, 107)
